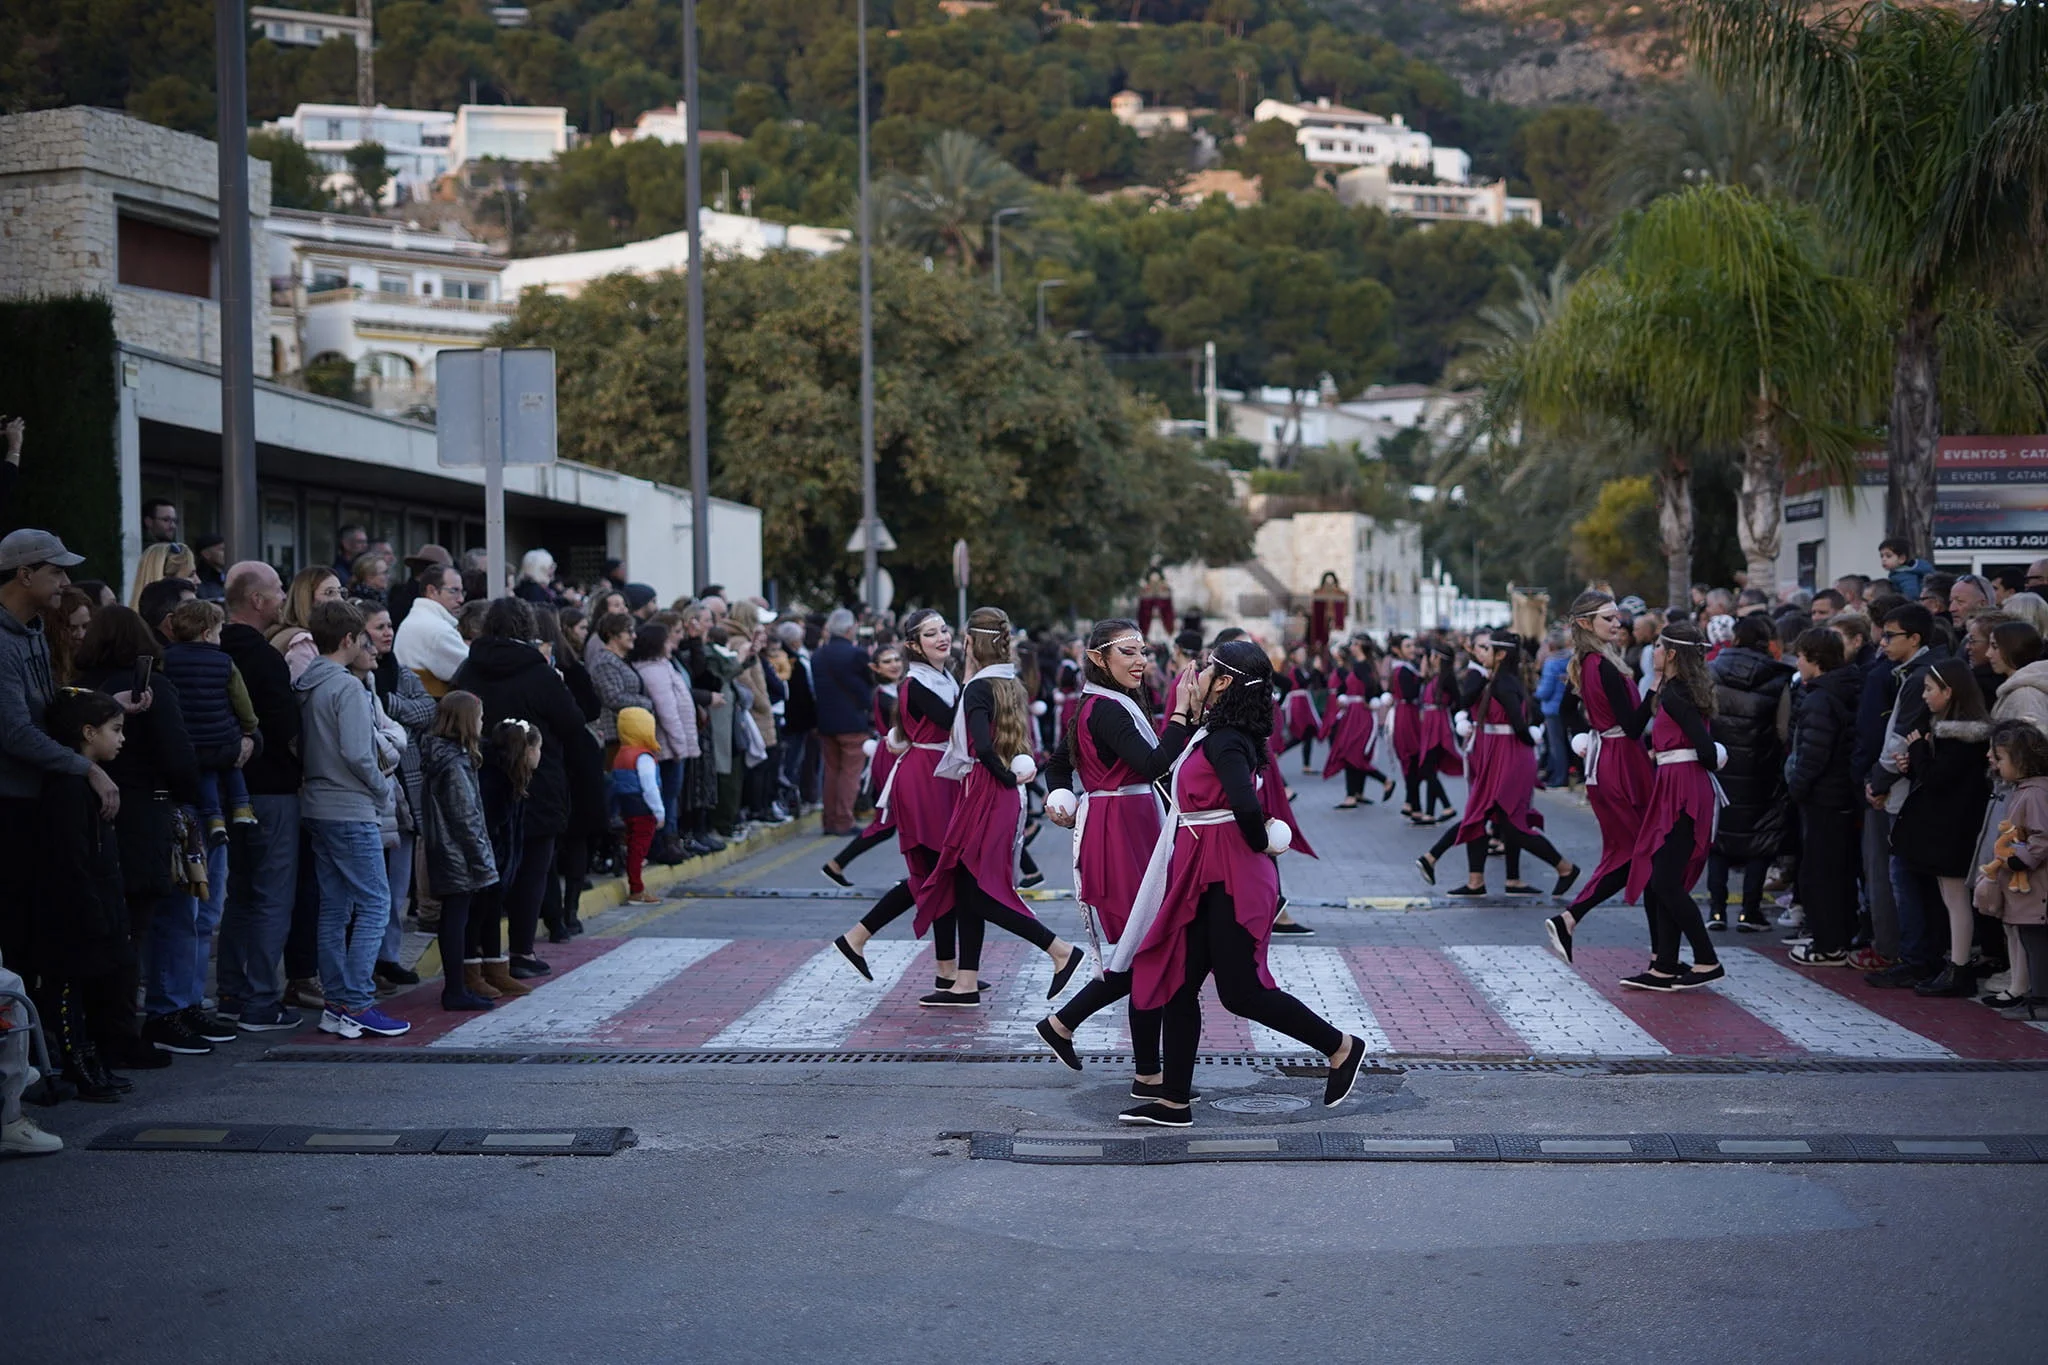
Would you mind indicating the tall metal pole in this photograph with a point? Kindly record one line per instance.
(870, 569)
(995, 227)
(239, 521)
(693, 206)
(1209, 389)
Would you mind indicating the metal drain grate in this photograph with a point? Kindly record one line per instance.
(1296, 1066)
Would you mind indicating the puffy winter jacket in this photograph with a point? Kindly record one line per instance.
(1936, 830)
(458, 846)
(2024, 696)
(1758, 816)
(1818, 771)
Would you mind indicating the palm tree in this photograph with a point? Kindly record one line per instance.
(1925, 130)
(1694, 134)
(943, 211)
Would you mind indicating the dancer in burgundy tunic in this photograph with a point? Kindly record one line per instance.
(1440, 756)
(1678, 823)
(916, 800)
(1210, 892)
(888, 670)
(1500, 800)
(1300, 720)
(1352, 725)
(1618, 770)
(1106, 771)
(1406, 684)
(977, 871)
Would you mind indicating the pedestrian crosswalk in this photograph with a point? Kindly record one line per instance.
(1461, 1000)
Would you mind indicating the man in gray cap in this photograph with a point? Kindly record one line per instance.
(403, 595)
(32, 579)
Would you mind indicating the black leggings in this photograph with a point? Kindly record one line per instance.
(975, 908)
(1217, 945)
(2034, 939)
(1098, 995)
(1669, 901)
(480, 935)
(897, 902)
(1427, 781)
(454, 936)
(861, 843)
(523, 896)
(1516, 841)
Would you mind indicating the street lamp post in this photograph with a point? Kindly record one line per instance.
(693, 208)
(237, 308)
(1044, 285)
(995, 228)
(870, 568)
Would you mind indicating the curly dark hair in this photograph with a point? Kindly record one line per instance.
(1247, 705)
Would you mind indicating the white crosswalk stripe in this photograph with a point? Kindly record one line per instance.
(822, 1002)
(1551, 1006)
(1812, 1016)
(1321, 979)
(569, 1007)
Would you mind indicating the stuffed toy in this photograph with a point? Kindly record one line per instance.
(2007, 843)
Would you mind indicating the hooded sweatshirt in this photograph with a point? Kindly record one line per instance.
(634, 776)
(338, 746)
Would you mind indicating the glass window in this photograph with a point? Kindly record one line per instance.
(393, 284)
(281, 535)
(328, 277)
(334, 132)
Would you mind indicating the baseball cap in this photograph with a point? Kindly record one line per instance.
(24, 547)
(428, 554)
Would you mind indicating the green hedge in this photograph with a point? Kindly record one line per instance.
(57, 370)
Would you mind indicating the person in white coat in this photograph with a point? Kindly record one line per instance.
(429, 642)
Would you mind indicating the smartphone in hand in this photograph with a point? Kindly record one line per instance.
(143, 667)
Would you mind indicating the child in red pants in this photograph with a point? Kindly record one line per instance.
(637, 785)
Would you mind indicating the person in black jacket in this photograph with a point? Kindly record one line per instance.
(1934, 837)
(799, 722)
(515, 681)
(843, 687)
(1821, 782)
(1748, 684)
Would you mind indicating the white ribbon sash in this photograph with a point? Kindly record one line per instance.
(889, 787)
(1594, 739)
(1159, 867)
(958, 761)
(1665, 757)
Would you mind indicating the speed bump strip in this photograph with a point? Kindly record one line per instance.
(1240, 1144)
(202, 1137)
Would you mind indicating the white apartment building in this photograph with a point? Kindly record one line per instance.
(725, 234)
(508, 132)
(1332, 135)
(1488, 204)
(95, 202)
(381, 295)
(1131, 111)
(304, 28)
(422, 145)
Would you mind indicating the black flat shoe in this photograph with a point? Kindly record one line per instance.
(1520, 889)
(1387, 795)
(1065, 974)
(1650, 981)
(1030, 879)
(951, 1000)
(1291, 927)
(1427, 866)
(860, 963)
(1692, 978)
(559, 933)
(527, 968)
(1560, 937)
(945, 983)
(832, 871)
(1347, 803)
(1337, 1088)
(1159, 1115)
(1953, 981)
(1466, 891)
(1565, 881)
(1063, 1048)
(1146, 1090)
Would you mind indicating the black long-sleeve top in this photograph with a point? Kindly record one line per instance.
(1678, 705)
(924, 703)
(979, 697)
(1512, 696)
(1236, 756)
(1408, 684)
(1630, 716)
(1118, 736)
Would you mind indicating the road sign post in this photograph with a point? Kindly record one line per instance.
(495, 407)
(960, 569)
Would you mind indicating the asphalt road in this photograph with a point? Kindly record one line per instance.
(804, 1209)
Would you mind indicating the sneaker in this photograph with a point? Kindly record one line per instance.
(211, 1027)
(340, 1023)
(1792, 917)
(1717, 920)
(370, 1019)
(244, 815)
(1870, 960)
(270, 1020)
(304, 991)
(1761, 924)
(172, 1033)
(23, 1138)
(1806, 955)
(395, 974)
(712, 843)
(1797, 936)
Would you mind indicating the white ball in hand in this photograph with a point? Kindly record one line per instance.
(1023, 768)
(1720, 755)
(868, 748)
(1581, 742)
(1279, 836)
(1038, 708)
(1062, 803)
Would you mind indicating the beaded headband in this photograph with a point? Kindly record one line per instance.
(1670, 643)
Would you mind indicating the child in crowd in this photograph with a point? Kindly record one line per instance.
(1935, 833)
(217, 712)
(636, 784)
(510, 759)
(455, 840)
(2013, 886)
(81, 935)
(1904, 571)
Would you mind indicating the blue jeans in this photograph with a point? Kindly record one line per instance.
(263, 875)
(1557, 752)
(670, 775)
(398, 876)
(1923, 918)
(355, 905)
(181, 942)
(220, 787)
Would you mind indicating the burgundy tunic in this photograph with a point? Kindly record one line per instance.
(1297, 710)
(1676, 789)
(1349, 726)
(1438, 736)
(1273, 799)
(984, 837)
(1503, 778)
(879, 768)
(1109, 860)
(1203, 856)
(920, 802)
(1621, 789)
(1407, 722)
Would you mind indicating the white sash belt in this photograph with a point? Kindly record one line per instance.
(889, 787)
(1346, 699)
(1593, 742)
(1496, 729)
(1693, 756)
(1676, 756)
(1081, 893)
(1158, 868)
(1207, 817)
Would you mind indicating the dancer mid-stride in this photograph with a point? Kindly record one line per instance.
(1210, 892)
(888, 669)
(1101, 789)
(1500, 801)
(915, 799)
(1300, 719)
(1351, 725)
(1618, 770)
(976, 876)
(1440, 756)
(1404, 681)
(1678, 822)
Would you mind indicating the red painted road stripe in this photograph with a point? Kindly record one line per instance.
(1963, 1026)
(898, 1022)
(1426, 1005)
(421, 1005)
(1691, 1023)
(694, 1004)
